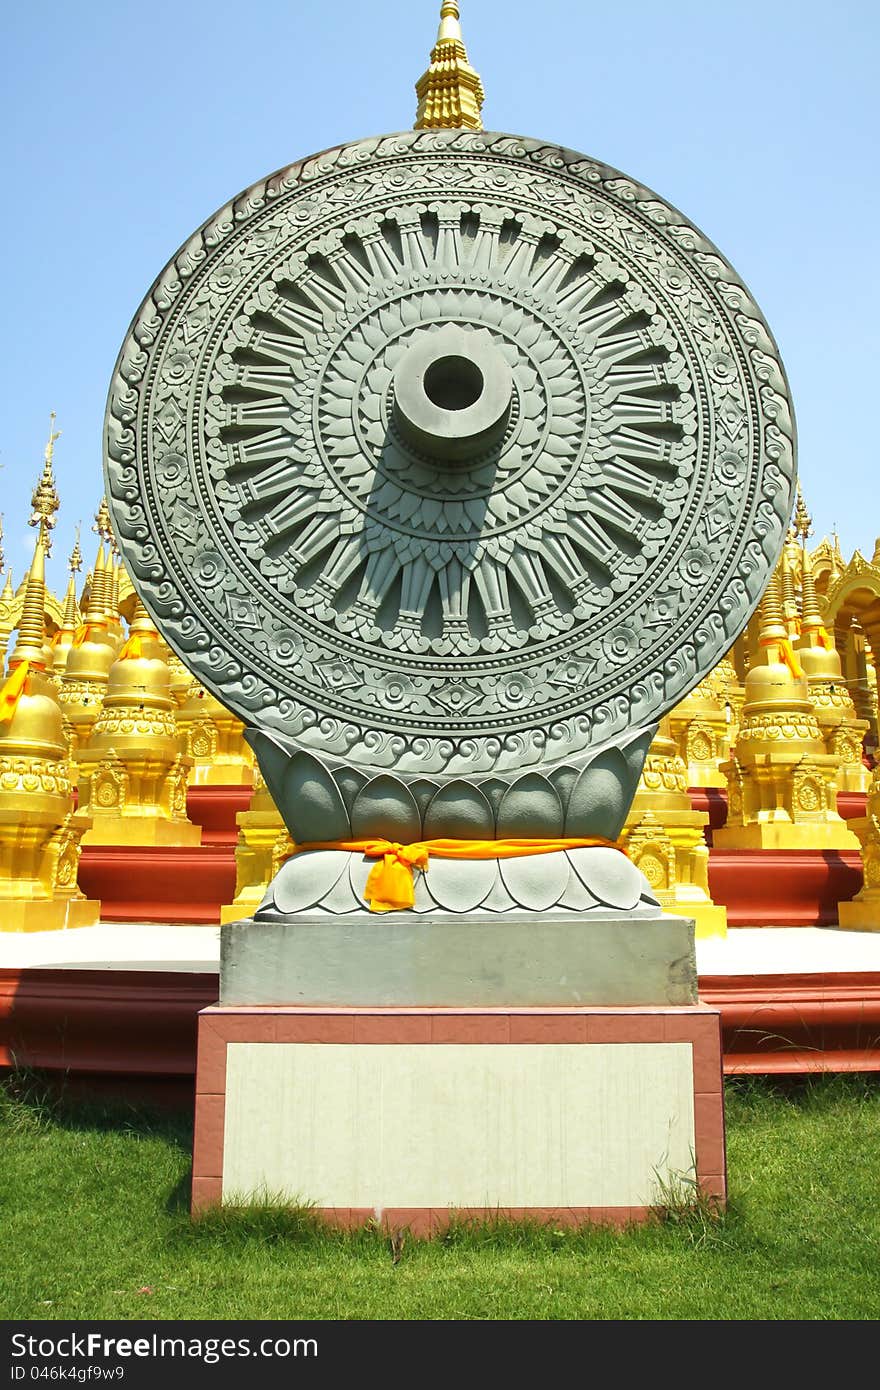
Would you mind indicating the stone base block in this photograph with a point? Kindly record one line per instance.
(53, 914)
(405, 958)
(413, 1117)
(142, 830)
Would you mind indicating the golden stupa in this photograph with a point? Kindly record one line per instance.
(132, 775)
(40, 832)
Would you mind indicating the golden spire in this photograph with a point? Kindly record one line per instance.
(2, 556)
(450, 93)
(97, 605)
(71, 608)
(44, 501)
(788, 561)
(837, 562)
(811, 621)
(117, 575)
(811, 618)
(32, 624)
(771, 621)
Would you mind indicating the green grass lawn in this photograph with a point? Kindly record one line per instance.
(94, 1212)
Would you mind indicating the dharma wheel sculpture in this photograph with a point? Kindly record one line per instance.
(450, 461)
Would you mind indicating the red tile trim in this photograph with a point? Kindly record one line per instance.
(424, 1222)
(140, 1024)
(698, 1024)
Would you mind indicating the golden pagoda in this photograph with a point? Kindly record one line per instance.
(132, 776)
(663, 836)
(841, 727)
(40, 833)
(782, 784)
(89, 659)
(701, 726)
(450, 92)
(213, 738)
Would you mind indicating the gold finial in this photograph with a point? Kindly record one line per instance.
(450, 92)
(75, 563)
(102, 524)
(2, 556)
(838, 565)
(45, 501)
(803, 522)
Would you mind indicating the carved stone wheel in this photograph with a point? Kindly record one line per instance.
(449, 453)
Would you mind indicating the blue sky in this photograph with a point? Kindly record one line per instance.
(128, 123)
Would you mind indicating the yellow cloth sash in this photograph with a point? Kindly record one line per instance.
(133, 647)
(12, 690)
(788, 654)
(86, 631)
(390, 886)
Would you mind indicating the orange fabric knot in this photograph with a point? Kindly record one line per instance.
(11, 691)
(390, 886)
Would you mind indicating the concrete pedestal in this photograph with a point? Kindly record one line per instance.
(603, 957)
(411, 1116)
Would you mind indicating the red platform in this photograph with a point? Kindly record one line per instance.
(158, 884)
(142, 1023)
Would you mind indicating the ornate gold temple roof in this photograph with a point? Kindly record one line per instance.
(450, 92)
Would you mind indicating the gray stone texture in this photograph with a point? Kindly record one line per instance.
(610, 958)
